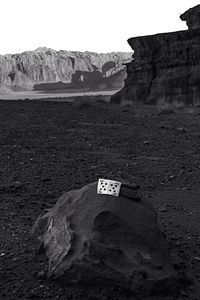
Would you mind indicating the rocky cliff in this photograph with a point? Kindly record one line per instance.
(49, 66)
(165, 67)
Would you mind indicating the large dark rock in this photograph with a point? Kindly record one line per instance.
(165, 67)
(88, 235)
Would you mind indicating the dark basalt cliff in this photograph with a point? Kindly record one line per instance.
(65, 69)
(165, 67)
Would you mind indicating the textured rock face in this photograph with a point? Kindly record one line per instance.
(192, 17)
(165, 67)
(105, 236)
(46, 66)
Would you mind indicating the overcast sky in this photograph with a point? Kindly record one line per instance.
(85, 25)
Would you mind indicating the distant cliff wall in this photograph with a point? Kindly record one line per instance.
(165, 67)
(49, 66)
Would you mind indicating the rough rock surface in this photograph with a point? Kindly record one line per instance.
(192, 17)
(166, 67)
(46, 65)
(104, 236)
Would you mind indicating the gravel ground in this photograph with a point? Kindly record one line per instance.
(50, 147)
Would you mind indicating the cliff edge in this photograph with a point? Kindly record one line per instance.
(165, 67)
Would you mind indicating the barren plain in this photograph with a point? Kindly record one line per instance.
(50, 147)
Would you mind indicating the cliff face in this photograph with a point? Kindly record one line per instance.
(165, 67)
(47, 66)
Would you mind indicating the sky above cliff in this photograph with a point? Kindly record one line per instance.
(85, 25)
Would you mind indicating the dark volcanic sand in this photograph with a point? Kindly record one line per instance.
(47, 148)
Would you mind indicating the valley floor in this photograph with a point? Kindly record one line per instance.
(50, 147)
(59, 95)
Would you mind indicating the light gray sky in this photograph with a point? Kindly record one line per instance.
(85, 25)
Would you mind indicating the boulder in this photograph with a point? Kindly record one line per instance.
(87, 235)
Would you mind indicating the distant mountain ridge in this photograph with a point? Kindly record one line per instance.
(74, 69)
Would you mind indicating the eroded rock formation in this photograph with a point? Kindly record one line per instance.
(49, 66)
(192, 17)
(88, 235)
(165, 67)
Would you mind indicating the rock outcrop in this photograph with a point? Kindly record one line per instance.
(192, 17)
(165, 67)
(87, 235)
(49, 66)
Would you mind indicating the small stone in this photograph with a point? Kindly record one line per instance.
(184, 293)
(197, 258)
(180, 129)
(41, 274)
(93, 167)
(191, 288)
(162, 208)
(16, 185)
(15, 259)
